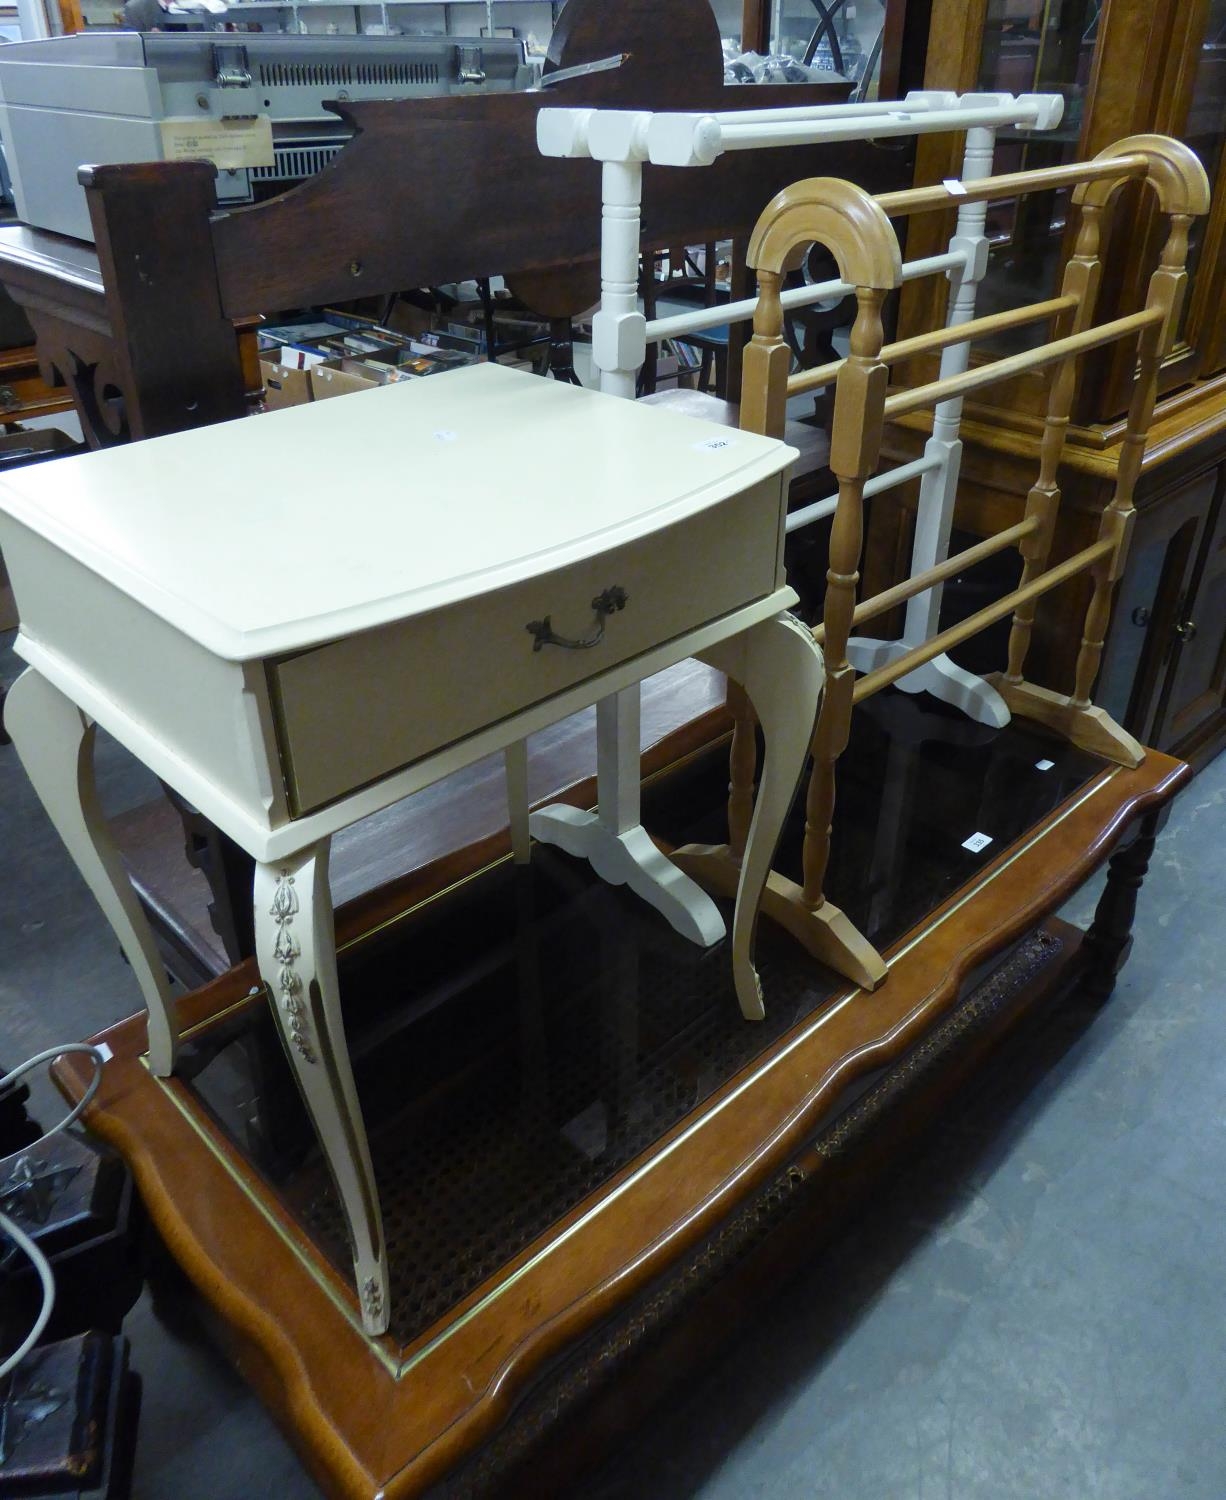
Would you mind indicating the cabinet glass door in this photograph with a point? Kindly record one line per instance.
(840, 37)
(1205, 131)
(1033, 46)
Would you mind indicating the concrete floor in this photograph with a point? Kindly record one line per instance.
(1035, 1309)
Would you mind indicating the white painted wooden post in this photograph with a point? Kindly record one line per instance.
(612, 839)
(941, 677)
(619, 330)
(32, 20)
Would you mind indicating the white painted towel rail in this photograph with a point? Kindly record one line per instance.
(623, 140)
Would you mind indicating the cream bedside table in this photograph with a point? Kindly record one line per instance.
(297, 620)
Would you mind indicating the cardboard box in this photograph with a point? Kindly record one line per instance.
(327, 382)
(342, 373)
(284, 386)
(408, 318)
(341, 377)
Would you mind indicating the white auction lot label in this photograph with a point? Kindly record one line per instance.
(244, 141)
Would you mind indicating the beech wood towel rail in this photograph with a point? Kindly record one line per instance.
(856, 228)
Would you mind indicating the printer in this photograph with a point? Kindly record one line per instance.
(251, 102)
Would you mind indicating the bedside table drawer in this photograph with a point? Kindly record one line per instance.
(358, 709)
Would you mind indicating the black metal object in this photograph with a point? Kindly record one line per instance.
(68, 1418)
(605, 604)
(76, 1200)
(826, 28)
(16, 1127)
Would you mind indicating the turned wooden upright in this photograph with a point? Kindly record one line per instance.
(856, 228)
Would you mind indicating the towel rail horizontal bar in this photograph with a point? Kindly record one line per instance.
(873, 682)
(1017, 364)
(941, 338)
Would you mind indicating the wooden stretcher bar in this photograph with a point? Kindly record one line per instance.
(1012, 184)
(1016, 364)
(879, 604)
(889, 479)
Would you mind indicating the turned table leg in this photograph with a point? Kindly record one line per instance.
(296, 950)
(1109, 938)
(780, 668)
(55, 741)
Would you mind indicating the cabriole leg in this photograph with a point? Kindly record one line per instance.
(55, 741)
(296, 948)
(780, 668)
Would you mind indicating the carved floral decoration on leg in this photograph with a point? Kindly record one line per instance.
(286, 951)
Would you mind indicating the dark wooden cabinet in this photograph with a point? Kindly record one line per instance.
(1151, 607)
(1179, 689)
(1124, 67)
(1164, 668)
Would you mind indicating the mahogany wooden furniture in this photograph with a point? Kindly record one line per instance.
(857, 230)
(23, 392)
(23, 395)
(312, 666)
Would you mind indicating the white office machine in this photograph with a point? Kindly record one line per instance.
(254, 105)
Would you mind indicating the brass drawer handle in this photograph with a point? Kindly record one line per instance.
(605, 604)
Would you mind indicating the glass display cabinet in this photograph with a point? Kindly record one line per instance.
(1124, 67)
(843, 36)
(857, 40)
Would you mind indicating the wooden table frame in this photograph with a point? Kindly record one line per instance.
(626, 1307)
